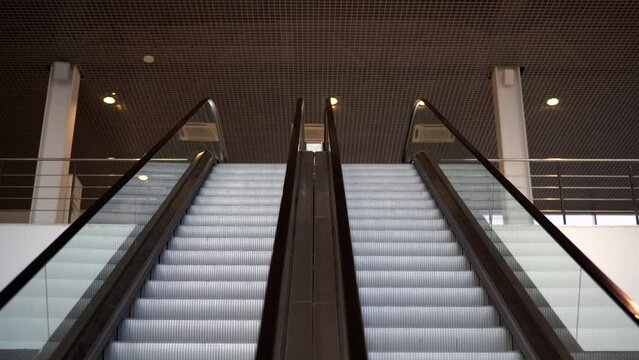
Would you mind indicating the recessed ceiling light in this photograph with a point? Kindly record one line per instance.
(421, 103)
(143, 177)
(148, 59)
(333, 100)
(109, 100)
(552, 101)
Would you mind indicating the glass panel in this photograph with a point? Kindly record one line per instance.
(40, 315)
(579, 310)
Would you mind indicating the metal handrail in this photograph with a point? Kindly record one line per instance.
(628, 305)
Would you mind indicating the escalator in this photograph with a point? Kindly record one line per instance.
(419, 296)
(177, 260)
(450, 261)
(204, 297)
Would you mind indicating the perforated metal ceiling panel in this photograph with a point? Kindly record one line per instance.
(255, 57)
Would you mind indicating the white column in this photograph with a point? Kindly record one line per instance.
(55, 142)
(511, 126)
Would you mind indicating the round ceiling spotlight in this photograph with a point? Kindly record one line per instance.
(143, 177)
(110, 100)
(420, 103)
(148, 59)
(333, 100)
(552, 101)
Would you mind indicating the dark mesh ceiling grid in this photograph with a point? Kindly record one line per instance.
(255, 57)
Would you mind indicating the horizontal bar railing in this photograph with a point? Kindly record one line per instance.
(19, 192)
(595, 191)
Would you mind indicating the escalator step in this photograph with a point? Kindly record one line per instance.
(172, 351)
(394, 214)
(407, 248)
(397, 224)
(419, 297)
(246, 210)
(401, 236)
(226, 231)
(220, 244)
(237, 200)
(437, 317)
(197, 309)
(445, 356)
(230, 220)
(244, 289)
(416, 279)
(415, 263)
(196, 331)
(210, 272)
(201, 257)
(422, 296)
(395, 195)
(438, 339)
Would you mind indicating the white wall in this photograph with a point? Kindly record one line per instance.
(614, 249)
(20, 244)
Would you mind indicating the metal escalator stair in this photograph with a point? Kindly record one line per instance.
(204, 297)
(419, 297)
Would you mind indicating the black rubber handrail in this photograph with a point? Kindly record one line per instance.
(629, 306)
(352, 312)
(272, 334)
(43, 258)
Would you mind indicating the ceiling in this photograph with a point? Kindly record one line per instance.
(254, 58)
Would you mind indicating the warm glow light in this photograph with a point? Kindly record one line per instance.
(148, 59)
(109, 100)
(333, 101)
(143, 177)
(552, 101)
(421, 103)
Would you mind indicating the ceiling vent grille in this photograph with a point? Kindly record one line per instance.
(199, 131)
(432, 133)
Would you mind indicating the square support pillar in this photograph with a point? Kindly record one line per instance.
(52, 191)
(512, 142)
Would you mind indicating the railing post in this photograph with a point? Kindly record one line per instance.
(632, 194)
(561, 194)
(72, 173)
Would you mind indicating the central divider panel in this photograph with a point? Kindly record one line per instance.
(204, 298)
(418, 294)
